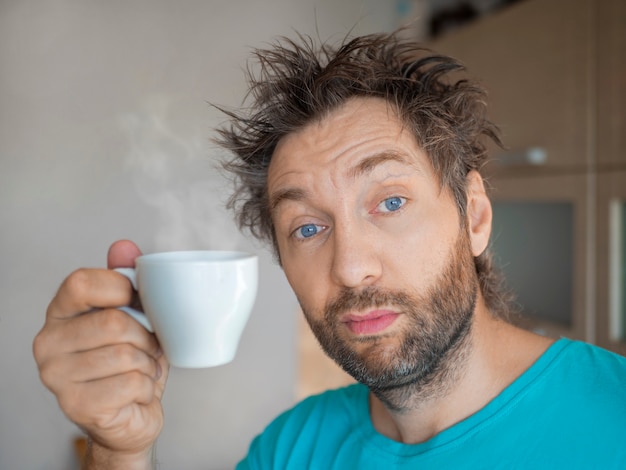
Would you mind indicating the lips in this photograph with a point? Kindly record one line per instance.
(371, 323)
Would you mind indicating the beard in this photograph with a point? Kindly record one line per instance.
(426, 356)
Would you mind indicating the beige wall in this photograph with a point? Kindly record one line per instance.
(103, 116)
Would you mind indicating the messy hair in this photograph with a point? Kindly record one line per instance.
(294, 83)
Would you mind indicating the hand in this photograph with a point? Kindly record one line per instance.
(106, 370)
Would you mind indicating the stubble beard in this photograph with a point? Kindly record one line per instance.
(408, 368)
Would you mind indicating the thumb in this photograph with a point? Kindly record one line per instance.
(122, 254)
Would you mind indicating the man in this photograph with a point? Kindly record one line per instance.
(361, 166)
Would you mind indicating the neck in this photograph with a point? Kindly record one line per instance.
(471, 374)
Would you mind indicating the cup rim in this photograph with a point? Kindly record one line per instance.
(196, 257)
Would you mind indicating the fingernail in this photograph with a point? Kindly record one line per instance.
(159, 371)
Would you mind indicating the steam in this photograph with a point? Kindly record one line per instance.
(177, 176)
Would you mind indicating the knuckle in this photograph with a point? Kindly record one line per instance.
(55, 375)
(100, 421)
(77, 282)
(47, 376)
(40, 347)
(139, 386)
(115, 322)
(135, 380)
(75, 406)
(127, 355)
(47, 365)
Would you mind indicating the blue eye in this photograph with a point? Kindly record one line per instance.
(391, 204)
(307, 231)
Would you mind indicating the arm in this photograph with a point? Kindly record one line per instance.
(106, 370)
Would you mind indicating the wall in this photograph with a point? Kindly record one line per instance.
(104, 134)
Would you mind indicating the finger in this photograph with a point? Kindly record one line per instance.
(122, 254)
(112, 360)
(103, 400)
(97, 364)
(163, 373)
(99, 329)
(88, 289)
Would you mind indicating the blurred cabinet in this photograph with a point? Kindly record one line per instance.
(611, 168)
(610, 66)
(555, 71)
(611, 260)
(535, 58)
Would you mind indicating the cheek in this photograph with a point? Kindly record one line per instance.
(419, 252)
(307, 281)
(415, 265)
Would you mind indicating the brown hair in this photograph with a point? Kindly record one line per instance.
(299, 82)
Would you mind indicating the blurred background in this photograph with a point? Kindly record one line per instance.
(105, 128)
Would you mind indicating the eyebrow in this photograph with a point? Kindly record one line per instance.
(289, 194)
(363, 167)
(368, 164)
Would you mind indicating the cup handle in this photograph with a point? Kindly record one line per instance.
(131, 275)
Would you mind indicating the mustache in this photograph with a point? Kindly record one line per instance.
(349, 300)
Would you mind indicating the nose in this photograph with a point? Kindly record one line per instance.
(355, 262)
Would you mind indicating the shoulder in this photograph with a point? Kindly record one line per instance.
(575, 372)
(589, 357)
(315, 421)
(581, 399)
(570, 383)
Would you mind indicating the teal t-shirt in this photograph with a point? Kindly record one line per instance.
(567, 411)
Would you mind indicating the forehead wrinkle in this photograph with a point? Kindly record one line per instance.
(368, 164)
(364, 167)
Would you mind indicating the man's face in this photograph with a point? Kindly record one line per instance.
(371, 244)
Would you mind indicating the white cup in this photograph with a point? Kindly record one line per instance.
(196, 302)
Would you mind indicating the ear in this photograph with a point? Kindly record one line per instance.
(479, 213)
